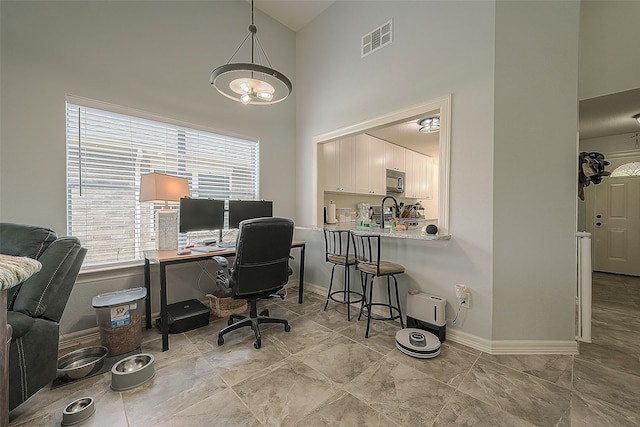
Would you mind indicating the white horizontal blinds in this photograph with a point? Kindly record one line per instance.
(106, 154)
(224, 167)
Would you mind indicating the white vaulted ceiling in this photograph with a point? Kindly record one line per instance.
(606, 115)
(294, 14)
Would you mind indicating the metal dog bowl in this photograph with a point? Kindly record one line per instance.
(78, 411)
(80, 363)
(132, 371)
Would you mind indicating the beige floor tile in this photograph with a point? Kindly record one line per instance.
(556, 368)
(613, 355)
(339, 358)
(382, 334)
(464, 410)
(462, 347)
(537, 401)
(335, 317)
(343, 409)
(450, 366)
(400, 392)
(304, 332)
(616, 387)
(221, 409)
(284, 393)
(174, 388)
(238, 360)
(589, 411)
(45, 407)
(311, 303)
(179, 345)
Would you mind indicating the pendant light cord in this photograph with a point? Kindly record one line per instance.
(252, 30)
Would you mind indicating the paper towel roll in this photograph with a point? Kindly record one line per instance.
(331, 214)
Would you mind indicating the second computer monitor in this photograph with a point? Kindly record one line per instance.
(239, 210)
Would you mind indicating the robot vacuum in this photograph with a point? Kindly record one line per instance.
(417, 343)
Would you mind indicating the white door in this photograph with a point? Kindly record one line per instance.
(615, 224)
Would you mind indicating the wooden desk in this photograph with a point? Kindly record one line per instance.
(170, 257)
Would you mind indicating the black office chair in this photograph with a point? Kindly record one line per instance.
(260, 269)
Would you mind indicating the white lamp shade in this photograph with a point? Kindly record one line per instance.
(161, 188)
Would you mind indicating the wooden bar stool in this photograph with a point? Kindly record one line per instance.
(369, 263)
(337, 248)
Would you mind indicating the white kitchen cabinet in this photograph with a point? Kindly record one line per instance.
(339, 162)
(394, 157)
(425, 190)
(418, 184)
(370, 165)
(410, 188)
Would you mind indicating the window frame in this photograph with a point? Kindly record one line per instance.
(201, 162)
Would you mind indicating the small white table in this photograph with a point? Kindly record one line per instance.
(13, 271)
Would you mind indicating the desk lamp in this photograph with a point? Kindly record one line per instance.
(161, 188)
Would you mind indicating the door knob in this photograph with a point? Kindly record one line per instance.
(598, 216)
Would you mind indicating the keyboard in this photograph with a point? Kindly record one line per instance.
(227, 245)
(207, 248)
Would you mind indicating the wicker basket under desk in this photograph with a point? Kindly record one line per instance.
(223, 307)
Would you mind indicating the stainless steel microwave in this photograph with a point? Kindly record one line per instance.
(395, 181)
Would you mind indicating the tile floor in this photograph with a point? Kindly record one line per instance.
(324, 372)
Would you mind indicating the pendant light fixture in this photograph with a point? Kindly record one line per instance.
(251, 83)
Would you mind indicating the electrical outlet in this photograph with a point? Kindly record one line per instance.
(463, 295)
(464, 300)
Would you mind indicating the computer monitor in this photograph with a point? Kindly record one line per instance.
(239, 210)
(201, 214)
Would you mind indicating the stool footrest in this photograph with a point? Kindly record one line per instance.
(365, 311)
(358, 295)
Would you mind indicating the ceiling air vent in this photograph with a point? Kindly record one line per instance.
(377, 38)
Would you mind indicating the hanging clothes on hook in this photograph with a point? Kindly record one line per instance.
(591, 169)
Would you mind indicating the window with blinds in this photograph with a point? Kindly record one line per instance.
(107, 151)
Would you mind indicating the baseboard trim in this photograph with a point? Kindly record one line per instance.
(534, 347)
(487, 346)
(79, 338)
(513, 346)
(468, 340)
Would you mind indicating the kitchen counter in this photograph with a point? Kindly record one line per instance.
(414, 233)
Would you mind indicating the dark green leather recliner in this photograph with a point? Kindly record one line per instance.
(34, 308)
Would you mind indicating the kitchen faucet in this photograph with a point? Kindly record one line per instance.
(395, 202)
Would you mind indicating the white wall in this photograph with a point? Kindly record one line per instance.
(151, 56)
(609, 59)
(337, 88)
(627, 142)
(536, 115)
(492, 203)
(609, 63)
